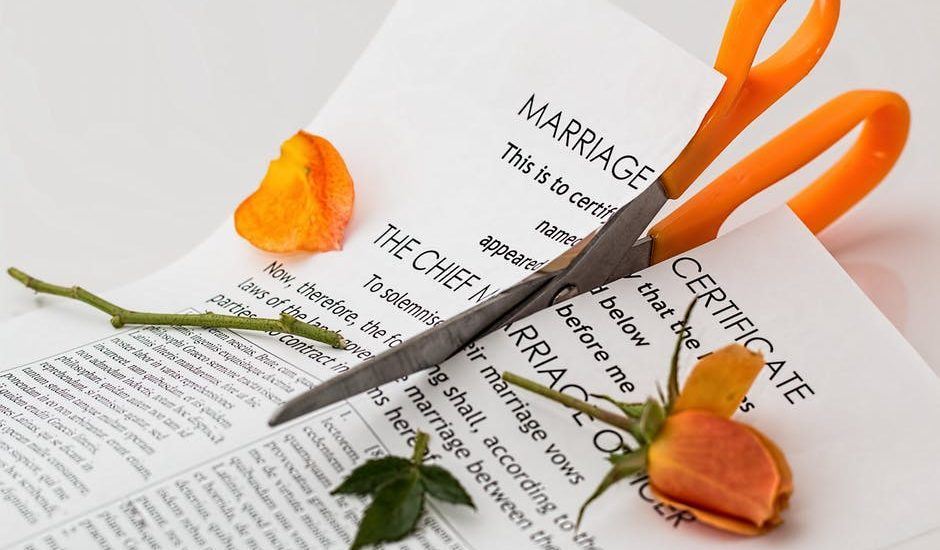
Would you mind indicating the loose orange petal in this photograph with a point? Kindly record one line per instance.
(718, 469)
(304, 202)
(720, 381)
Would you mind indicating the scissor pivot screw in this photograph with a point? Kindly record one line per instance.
(565, 292)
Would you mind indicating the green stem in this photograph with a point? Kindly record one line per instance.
(121, 316)
(673, 383)
(421, 447)
(608, 417)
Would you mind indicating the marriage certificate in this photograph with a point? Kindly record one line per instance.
(484, 138)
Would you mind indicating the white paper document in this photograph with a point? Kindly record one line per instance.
(484, 139)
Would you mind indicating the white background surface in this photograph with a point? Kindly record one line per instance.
(129, 130)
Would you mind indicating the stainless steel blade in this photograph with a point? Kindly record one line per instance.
(601, 261)
(638, 258)
(608, 257)
(420, 352)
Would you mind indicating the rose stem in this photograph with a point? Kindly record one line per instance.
(608, 417)
(121, 316)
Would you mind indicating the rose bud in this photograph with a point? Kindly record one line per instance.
(725, 473)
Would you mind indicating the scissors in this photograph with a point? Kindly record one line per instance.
(608, 255)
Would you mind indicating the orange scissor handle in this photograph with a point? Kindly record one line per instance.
(749, 91)
(886, 121)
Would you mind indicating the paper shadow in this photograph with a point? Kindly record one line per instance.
(884, 287)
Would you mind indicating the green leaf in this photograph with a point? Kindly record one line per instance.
(442, 485)
(369, 477)
(624, 465)
(394, 511)
(632, 410)
(398, 488)
(651, 419)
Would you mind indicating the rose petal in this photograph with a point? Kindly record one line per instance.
(719, 521)
(304, 202)
(786, 474)
(718, 466)
(720, 381)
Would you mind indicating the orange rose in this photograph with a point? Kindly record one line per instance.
(304, 202)
(725, 473)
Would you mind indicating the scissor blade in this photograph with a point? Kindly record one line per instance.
(637, 258)
(607, 257)
(431, 347)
